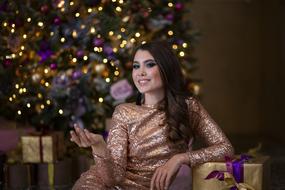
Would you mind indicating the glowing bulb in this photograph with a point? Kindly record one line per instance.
(62, 39)
(143, 42)
(121, 1)
(46, 84)
(114, 1)
(13, 55)
(85, 58)
(116, 73)
(174, 46)
(137, 34)
(28, 105)
(119, 36)
(115, 50)
(105, 60)
(107, 80)
(170, 4)
(14, 96)
(46, 71)
(25, 36)
(185, 45)
(89, 10)
(10, 99)
(119, 9)
(19, 112)
(101, 100)
(77, 14)
(74, 60)
(133, 40)
(40, 24)
(24, 90)
(123, 29)
(60, 111)
(40, 95)
(29, 19)
(74, 34)
(22, 47)
(13, 25)
(71, 3)
(111, 33)
(60, 4)
(92, 30)
(181, 53)
(12, 30)
(170, 33)
(124, 42)
(42, 106)
(48, 102)
(5, 24)
(17, 86)
(100, 8)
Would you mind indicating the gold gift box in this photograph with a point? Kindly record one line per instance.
(256, 174)
(46, 148)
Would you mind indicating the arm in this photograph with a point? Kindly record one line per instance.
(110, 159)
(218, 145)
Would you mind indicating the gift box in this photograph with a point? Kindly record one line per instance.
(38, 148)
(20, 176)
(255, 173)
(55, 175)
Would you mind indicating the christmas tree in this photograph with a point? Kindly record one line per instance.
(68, 62)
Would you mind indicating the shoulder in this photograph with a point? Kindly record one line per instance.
(124, 111)
(193, 104)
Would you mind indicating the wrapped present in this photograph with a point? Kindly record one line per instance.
(20, 176)
(232, 175)
(38, 148)
(55, 175)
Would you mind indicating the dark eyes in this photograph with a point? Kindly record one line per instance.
(148, 65)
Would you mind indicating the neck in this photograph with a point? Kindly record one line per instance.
(152, 98)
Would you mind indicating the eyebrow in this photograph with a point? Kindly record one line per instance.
(146, 61)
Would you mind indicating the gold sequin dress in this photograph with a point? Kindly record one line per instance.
(138, 144)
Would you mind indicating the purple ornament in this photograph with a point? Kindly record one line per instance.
(169, 17)
(7, 63)
(179, 6)
(80, 53)
(76, 74)
(45, 55)
(98, 42)
(53, 66)
(108, 50)
(57, 20)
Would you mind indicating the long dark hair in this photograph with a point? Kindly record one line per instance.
(175, 90)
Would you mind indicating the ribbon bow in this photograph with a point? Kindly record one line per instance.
(234, 176)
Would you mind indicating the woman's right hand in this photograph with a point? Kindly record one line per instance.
(84, 138)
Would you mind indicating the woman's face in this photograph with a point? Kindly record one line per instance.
(146, 75)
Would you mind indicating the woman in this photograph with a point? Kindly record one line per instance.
(148, 141)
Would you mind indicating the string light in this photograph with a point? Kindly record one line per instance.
(111, 33)
(123, 29)
(28, 105)
(40, 95)
(14, 96)
(181, 54)
(100, 8)
(16, 86)
(170, 33)
(60, 4)
(89, 10)
(40, 24)
(105, 60)
(119, 9)
(133, 40)
(107, 80)
(74, 34)
(10, 99)
(74, 60)
(13, 25)
(22, 47)
(12, 30)
(5, 24)
(42, 106)
(77, 14)
(174, 46)
(60, 111)
(170, 4)
(137, 34)
(85, 58)
(46, 71)
(185, 45)
(24, 36)
(71, 3)
(29, 19)
(116, 73)
(115, 50)
(92, 30)
(121, 1)
(62, 39)
(119, 36)
(48, 102)
(19, 112)
(101, 99)
(46, 84)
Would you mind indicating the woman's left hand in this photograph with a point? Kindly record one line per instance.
(164, 175)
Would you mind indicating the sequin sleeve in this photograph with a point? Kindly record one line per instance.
(109, 170)
(207, 129)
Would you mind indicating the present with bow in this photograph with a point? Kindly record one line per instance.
(242, 173)
(38, 147)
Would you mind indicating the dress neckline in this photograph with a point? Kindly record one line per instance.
(159, 104)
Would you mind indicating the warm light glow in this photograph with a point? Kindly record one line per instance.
(74, 60)
(12, 30)
(46, 71)
(105, 60)
(133, 40)
(13, 25)
(100, 8)
(85, 58)
(107, 80)
(74, 34)
(46, 84)
(14, 96)
(170, 4)
(17, 86)
(48, 102)
(19, 112)
(101, 100)
(62, 39)
(185, 45)
(89, 10)
(60, 111)
(5, 24)
(28, 105)
(119, 9)
(170, 33)
(10, 99)
(77, 14)
(42, 106)
(121, 1)
(115, 50)
(29, 19)
(40, 95)
(40, 24)
(71, 3)
(24, 90)
(119, 36)
(174, 46)
(181, 54)
(92, 30)
(137, 34)
(123, 29)
(22, 47)
(111, 33)
(116, 73)
(60, 4)
(25, 36)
